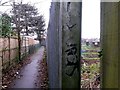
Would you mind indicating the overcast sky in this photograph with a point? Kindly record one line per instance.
(91, 19)
(42, 5)
(90, 15)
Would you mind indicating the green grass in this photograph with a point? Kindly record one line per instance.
(94, 68)
(90, 53)
(91, 58)
(84, 47)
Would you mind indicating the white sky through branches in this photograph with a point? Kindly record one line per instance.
(90, 14)
(42, 5)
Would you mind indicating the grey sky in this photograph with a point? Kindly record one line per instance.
(90, 15)
(42, 5)
(91, 19)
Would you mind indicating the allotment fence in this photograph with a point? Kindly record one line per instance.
(9, 50)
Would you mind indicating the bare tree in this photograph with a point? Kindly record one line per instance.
(26, 12)
(30, 21)
(39, 26)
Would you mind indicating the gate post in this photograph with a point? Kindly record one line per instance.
(110, 43)
(70, 16)
(64, 44)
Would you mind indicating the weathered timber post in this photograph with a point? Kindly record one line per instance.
(63, 44)
(71, 38)
(1, 62)
(53, 45)
(9, 50)
(110, 39)
(119, 46)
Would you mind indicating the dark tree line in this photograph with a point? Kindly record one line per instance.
(5, 25)
(24, 20)
(30, 22)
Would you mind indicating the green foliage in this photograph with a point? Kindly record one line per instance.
(26, 12)
(40, 25)
(90, 68)
(31, 23)
(5, 27)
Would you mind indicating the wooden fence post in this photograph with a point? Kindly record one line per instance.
(63, 44)
(71, 43)
(110, 43)
(9, 48)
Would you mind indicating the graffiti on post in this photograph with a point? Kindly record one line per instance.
(70, 26)
(71, 46)
(72, 58)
